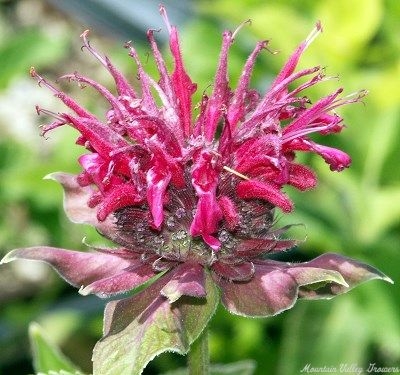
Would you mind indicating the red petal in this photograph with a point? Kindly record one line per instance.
(208, 212)
(292, 62)
(301, 177)
(117, 197)
(219, 96)
(237, 105)
(229, 212)
(263, 190)
(157, 184)
(184, 88)
(205, 221)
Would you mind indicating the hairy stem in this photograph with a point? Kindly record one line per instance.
(198, 356)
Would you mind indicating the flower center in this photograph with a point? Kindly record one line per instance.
(173, 243)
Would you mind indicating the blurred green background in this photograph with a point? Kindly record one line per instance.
(355, 213)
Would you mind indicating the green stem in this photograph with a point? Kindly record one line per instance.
(198, 357)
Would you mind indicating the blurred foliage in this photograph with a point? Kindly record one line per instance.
(355, 212)
(46, 356)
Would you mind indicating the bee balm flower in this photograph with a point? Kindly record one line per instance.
(191, 198)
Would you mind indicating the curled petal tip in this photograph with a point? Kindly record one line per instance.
(84, 290)
(342, 281)
(7, 258)
(164, 15)
(60, 177)
(355, 96)
(387, 279)
(247, 22)
(211, 241)
(314, 33)
(85, 34)
(50, 176)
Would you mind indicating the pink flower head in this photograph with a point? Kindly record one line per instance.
(192, 194)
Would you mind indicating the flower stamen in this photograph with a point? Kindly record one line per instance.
(314, 33)
(230, 170)
(247, 22)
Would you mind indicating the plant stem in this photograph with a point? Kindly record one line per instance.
(198, 356)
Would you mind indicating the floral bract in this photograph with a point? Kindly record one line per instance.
(193, 200)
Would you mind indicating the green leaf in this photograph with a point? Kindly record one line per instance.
(344, 40)
(237, 368)
(385, 333)
(29, 47)
(265, 17)
(62, 372)
(323, 335)
(47, 357)
(143, 326)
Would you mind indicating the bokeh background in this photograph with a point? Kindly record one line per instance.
(355, 213)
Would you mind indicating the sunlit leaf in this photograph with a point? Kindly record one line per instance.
(47, 357)
(143, 326)
(27, 48)
(237, 368)
(346, 31)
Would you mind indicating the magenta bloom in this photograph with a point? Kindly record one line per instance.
(194, 199)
